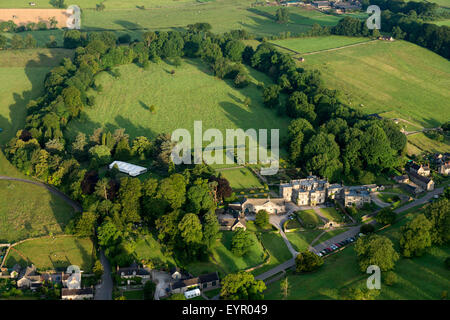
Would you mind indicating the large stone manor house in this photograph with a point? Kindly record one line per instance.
(313, 191)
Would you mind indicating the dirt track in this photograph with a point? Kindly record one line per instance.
(24, 16)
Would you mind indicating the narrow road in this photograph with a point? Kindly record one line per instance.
(54, 191)
(103, 291)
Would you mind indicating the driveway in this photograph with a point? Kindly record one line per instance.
(103, 291)
(162, 280)
(277, 221)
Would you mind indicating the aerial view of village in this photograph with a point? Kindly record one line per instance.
(211, 150)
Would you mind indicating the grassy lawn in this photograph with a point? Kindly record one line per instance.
(304, 45)
(309, 218)
(277, 248)
(300, 240)
(331, 214)
(293, 224)
(212, 293)
(30, 211)
(224, 261)
(330, 234)
(50, 253)
(147, 248)
(389, 77)
(134, 294)
(241, 178)
(419, 278)
(425, 144)
(125, 102)
(223, 15)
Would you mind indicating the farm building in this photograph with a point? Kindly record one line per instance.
(128, 168)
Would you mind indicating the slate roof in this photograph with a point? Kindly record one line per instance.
(196, 281)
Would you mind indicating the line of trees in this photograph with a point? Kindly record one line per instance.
(402, 26)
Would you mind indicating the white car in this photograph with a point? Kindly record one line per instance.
(319, 254)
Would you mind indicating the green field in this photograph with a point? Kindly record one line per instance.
(309, 218)
(419, 278)
(147, 248)
(389, 77)
(278, 251)
(134, 294)
(330, 234)
(424, 144)
(305, 45)
(223, 15)
(331, 214)
(300, 240)
(39, 212)
(190, 94)
(30, 211)
(224, 261)
(112, 4)
(50, 253)
(241, 178)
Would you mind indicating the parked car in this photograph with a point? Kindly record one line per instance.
(323, 252)
(351, 239)
(333, 247)
(319, 254)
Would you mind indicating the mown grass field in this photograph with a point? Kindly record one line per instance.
(330, 234)
(331, 214)
(309, 218)
(111, 4)
(241, 178)
(223, 15)
(134, 294)
(148, 248)
(300, 240)
(424, 144)
(401, 78)
(419, 278)
(191, 94)
(305, 45)
(50, 253)
(26, 210)
(224, 261)
(277, 249)
(30, 211)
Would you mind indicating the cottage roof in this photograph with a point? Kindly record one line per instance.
(196, 281)
(420, 177)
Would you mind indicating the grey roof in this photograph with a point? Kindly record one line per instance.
(196, 281)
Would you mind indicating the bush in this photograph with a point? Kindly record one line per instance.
(447, 263)
(390, 278)
(125, 38)
(307, 261)
(367, 228)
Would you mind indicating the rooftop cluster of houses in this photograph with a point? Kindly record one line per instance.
(180, 282)
(339, 6)
(312, 191)
(442, 162)
(183, 282)
(417, 180)
(30, 278)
